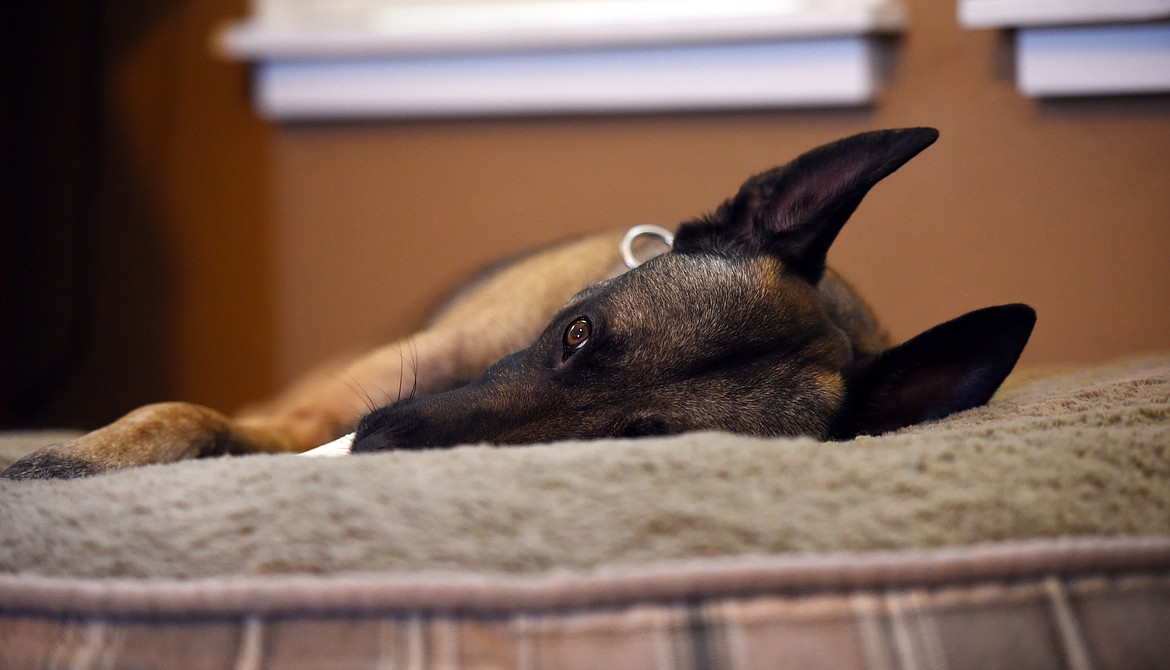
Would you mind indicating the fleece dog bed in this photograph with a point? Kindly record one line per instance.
(1034, 532)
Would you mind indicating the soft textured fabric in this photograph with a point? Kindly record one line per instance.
(1083, 452)
(1031, 533)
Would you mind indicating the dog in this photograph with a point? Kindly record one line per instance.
(739, 327)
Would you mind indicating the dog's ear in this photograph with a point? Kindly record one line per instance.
(795, 211)
(947, 369)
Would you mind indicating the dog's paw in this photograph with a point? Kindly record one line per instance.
(49, 464)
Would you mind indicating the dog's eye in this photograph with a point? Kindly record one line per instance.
(577, 334)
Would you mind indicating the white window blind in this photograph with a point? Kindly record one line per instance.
(371, 58)
(1082, 47)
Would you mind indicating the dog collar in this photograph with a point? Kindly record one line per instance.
(643, 230)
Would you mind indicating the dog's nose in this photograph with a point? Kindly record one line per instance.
(370, 442)
(406, 425)
(385, 428)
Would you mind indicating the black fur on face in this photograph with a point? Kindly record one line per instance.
(732, 349)
(740, 328)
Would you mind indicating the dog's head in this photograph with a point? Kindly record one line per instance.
(739, 328)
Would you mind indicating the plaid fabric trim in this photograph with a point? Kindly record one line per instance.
(1095, 622)
(1091, 618)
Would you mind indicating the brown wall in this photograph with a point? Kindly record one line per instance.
(228, 254)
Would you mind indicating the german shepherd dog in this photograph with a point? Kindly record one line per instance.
(740, 327)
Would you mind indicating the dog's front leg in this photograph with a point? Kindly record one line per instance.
(320, 408)
(158, 433)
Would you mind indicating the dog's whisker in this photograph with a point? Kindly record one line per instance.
(401, 367)
(361, 392)
(352, 419)
(413, 368)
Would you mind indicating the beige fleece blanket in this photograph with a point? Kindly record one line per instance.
(1074, 453)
